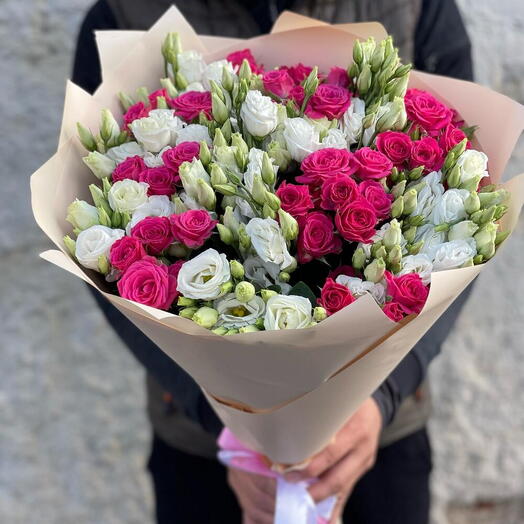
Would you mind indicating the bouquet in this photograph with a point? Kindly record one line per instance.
(324, 210)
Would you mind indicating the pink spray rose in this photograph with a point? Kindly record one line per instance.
(334, 297)
(278, 82)
(408, 290)
(376, 195)
(189, 105)
(192, 228)
(394, 311)
(297, 94)
(295, 199)
(426, 111)
(426, 152)
(161, 180)
(316, 237)
(324, 163)
(185, 152)
(298, 72)
(125, 251)
(155, 233)
(337, 191)
(148, 282)
(338, 77)
(450, 137)
(372, 164)
(153, 98)
(138, 110)
(238, 57)
(395, 145)
(356, 221)
(328, 101)
(130, 168)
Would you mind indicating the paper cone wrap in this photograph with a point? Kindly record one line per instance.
(283, 393)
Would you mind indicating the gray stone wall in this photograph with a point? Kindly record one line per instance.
(73, 434)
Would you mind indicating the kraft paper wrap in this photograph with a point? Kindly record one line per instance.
(283, 393)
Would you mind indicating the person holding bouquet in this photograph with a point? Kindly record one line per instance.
(378, 465)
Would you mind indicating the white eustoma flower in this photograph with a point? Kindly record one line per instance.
(213, 71)
(379, 235)
(359, 287)
(201, 277)
(156, 206)
(152, 160)
(157, 130)
(449, 207)
(453, 254)
(100, 165)
(472, 164)
(195, 86)
(268, 242)
(82, 215)
(420, 263)
(126, 195)
(352, 120)
(259, 114)
(191, 65)
(334, 138)
(194, 133)
(430, 237)
(301, 138)
(264, 274)
(95, 242)
(120, 153)
(235, 314)
(429, 194)
(287, 312)
(224, 156)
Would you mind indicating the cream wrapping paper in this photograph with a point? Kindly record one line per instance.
(283, 393)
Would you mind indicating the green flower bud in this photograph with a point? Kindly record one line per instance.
(226, 236)
(395, 255)
(98, 198)
(259, 190)
(217, 176)
(218, 109)
(493, 198)
(219, 331)
(375, 247)
(101, 165)
(116, 219)
(219, 139)
(409, 234)
(472, 203)
(237, 269)
(230, 221)
(206, 317)
(364, 80)
(500, 211)
(226, 287)
(266, 294)
(472, 184)
(86, 137)
(501, 236)
(485, 240)
(459, 148)
(311, 82)
(228, 80)
(104, 218)
(226, 189)
(469, 262)
(449, 162)
(400, 86)
(378, 57)
(239, 143)
(462, 230)
(248, 329)
(416, 220)
(227, 130)
(204, 154)
(125, 100)
(205, 195)
(288, 225)
(353, 70)
(109, 128)
(268, 173)
(284, 276)
(280, 155)
(180, 81)
(359, 258)
(233, 331)
(414, 249)
(416, 173)
(374, 272)
(381, 252)
(441, 227)
(245, 72)
(478, 259)
(185, 302)
(272, 201)
(397, 209)
(488, 215)
(161, 102)
(292, 266)
(398, 189)
(103, 265)
(243, 237)
(70, 244)
(82, 215)
(319, 314)
(393, 235)
(268, 212)
(169, 87)
(358, 55)
(244, 291)
(410, 201)
(188, 312)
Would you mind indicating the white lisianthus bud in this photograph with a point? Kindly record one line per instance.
(244, 291)
(301, 138)
(420, 264)
(190, 173)
(101, 165)
(237, 269)
(374, 272)
(191, 65)
(472, 164)
(454, 254)
(120, 153)
(126, 195)
(109, 128)
(201, 277)
(95, 242)
(287, 312)
(268, 241)
(449, 207)
(194, 133)
(393, 234)
(462, 230)
(82, 215)
(235, 314)
(319, 314)
(205, 316)
(224, 156)
(259, 114)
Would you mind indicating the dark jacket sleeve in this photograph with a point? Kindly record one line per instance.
(186, 393)
(442, 47)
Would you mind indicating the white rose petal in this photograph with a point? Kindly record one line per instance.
(359, 287)
(268, 241)
(152, 160)
(420, 264)
(334, 138)
(471, 164)
(430, 237)
(158, 130)
(120, 153)
(95, 242)
(352, 120)
(228, 305)
(82, 215)
(191, 65)
(259, 114)
(449, 207)
(213, 71)
(156, 206)
(454, 254)
(126, 195)
(194, 133)
(287, 312)
(301, 138)
(201, 277)
(429, 194)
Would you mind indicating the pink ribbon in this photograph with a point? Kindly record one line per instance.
(294, 504)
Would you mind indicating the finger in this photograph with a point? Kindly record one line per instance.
(339, 508)
(247, 489)
(341, 477)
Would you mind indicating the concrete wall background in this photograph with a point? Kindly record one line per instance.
(73, 434)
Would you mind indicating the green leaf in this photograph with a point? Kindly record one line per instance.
(303, 290)
(276, 288)
(470, 131)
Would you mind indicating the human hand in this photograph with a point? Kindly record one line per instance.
(342, 462)
(255, 494)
